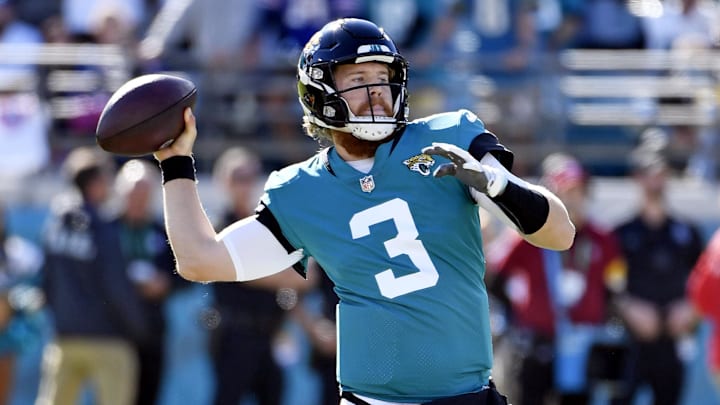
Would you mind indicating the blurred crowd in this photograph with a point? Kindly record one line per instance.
(90, 280)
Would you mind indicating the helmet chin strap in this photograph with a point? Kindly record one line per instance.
(375, 129)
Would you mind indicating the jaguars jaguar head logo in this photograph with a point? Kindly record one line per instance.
(421, 163)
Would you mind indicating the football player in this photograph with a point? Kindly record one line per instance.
(389, 211)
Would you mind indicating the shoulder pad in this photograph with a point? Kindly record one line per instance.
(293, 173)
(451, 119)
(487, 142)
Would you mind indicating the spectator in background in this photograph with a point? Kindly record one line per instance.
(501, 34)
(54, 30)
(24, 117)
(13, 30)
(660, 250)
(251, 313)
(20, 302)
(36, 11)
(95, 310)
(556, 22)
(683, 20)
(546, 303)
(704, 292)
(592, 21)
(150, 266)
(110, 24)
(24, 129)
(81, 16)
(207, 34)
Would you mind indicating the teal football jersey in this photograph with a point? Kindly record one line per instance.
(404, 251)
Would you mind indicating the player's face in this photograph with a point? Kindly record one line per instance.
(241, 184)
(652, 181)
(138, 200)
(365, 101)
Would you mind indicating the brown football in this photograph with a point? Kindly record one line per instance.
(145, 114)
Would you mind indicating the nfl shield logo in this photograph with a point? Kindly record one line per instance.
(367, 184)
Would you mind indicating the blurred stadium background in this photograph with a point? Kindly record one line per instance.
(588, 77)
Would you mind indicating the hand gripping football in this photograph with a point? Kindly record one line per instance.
(145, 114)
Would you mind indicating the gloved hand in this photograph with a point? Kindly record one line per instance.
(467, 169)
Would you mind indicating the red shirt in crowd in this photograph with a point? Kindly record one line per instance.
(704, 291)
(591, 266)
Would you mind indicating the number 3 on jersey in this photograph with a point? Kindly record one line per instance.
(405, 242)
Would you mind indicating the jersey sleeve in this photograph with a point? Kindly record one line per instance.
(271, 206)
(266, 217)
(270, 213)
(255, 250)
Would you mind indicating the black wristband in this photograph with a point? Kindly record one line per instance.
(528, 209)
(178, 167)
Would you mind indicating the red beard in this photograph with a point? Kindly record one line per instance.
(355, 146)
(359, 147)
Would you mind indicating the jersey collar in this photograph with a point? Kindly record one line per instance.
(325, 153)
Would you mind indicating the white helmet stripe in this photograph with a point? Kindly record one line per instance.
(375, 58)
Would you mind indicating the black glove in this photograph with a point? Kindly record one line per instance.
(467, 169)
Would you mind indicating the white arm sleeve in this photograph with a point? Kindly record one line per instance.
(255, 251)
(484, 201)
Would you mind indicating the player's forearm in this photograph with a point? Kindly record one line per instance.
(535, 212)
(199, 255)
(558, 232)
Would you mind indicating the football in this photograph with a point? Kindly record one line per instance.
(145, 114)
